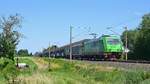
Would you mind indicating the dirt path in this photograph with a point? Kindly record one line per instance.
(41, 63)
(38, 77)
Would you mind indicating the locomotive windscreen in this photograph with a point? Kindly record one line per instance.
(113, 41)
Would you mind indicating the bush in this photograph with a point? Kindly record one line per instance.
(9, 71)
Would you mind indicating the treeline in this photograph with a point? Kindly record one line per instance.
(139, 40)
(24, 52)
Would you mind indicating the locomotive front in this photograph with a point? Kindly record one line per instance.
(113, 47)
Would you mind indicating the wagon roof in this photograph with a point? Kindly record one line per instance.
(76, 43)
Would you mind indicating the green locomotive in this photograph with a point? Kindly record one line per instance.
(107, 47)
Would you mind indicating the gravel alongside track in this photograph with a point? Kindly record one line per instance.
(123, 65)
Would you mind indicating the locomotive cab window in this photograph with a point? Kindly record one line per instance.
(113, 41)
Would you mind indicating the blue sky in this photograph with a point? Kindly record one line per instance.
(49, 20)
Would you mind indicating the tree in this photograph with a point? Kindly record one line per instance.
(142, 46)
(9, 37)
(132, 38)
(31, 54)
(38, 54)
(23, 52)
(139, 39)
(45, 51)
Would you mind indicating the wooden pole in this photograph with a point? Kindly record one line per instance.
(126, 44)
(49, 69)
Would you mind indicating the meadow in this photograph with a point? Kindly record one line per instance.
(61, 71)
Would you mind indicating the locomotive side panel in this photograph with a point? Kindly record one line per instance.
(94, 47)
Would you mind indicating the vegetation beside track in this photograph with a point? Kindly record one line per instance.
(10, 71)
(86, 73)
(75, 72)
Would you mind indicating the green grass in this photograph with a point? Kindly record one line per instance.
(26, 72)
(79, 72)
(32, 66)
(76, 72)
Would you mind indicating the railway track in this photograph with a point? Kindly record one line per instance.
(131, 61)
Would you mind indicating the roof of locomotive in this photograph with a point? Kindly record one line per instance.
(100, 38)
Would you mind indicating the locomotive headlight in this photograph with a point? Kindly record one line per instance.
(122, 48)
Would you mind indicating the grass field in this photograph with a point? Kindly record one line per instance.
(75, 72)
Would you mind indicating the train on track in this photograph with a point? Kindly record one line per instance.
(106, 47)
